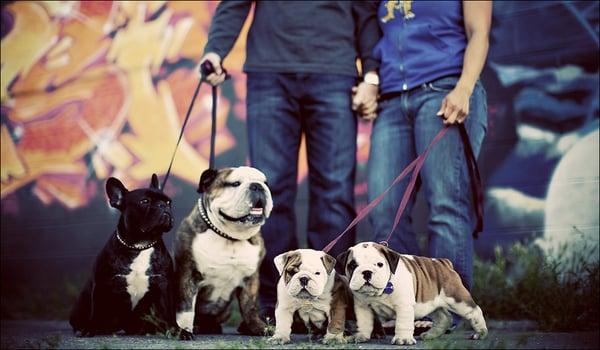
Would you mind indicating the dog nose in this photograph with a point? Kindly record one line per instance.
(367, 275)
(255, 186)
(303, 281)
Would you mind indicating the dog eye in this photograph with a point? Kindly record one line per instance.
(168, 202)
(352, 265)
(380, 264)
(145, 201)
(317, 273)
(233, 184)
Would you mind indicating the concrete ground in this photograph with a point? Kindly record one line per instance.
(502, 335)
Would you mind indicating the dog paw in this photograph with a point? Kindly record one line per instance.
(185, 335)
(480, 334)
(410, 340)
(332, 339)
(278, 340)
(358, 338)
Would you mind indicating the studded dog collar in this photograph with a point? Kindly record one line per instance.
(136, 247)
(205, 218)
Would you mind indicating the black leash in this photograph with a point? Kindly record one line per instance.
(476, 184)
(206, 68)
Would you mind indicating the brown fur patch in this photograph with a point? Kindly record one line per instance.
(431, 276)
(328, 262)
(291, 266)
(340, 298)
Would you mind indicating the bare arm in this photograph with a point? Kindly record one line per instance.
(478, 19)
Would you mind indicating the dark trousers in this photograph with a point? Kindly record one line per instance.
(282, 106)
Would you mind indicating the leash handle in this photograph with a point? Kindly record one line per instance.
(207, 68)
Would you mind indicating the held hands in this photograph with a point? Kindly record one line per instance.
(455, 106)
(364, 100)
(219, 75)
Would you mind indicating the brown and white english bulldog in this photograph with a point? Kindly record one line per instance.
(406, 287)
(310, 286)
(218, 250)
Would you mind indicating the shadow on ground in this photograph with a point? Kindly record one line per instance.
(503, 335)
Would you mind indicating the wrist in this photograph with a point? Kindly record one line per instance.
(465, 86)
(371, 78)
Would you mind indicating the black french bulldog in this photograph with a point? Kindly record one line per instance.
(130, 288)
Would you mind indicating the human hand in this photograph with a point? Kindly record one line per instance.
(455, 106)
(218, 76)
(364, 100)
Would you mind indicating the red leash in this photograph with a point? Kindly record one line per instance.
(415, 166)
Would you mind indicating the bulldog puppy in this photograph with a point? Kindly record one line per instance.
(132, 273)
(218, 249)
(310, 286)
(406, 287)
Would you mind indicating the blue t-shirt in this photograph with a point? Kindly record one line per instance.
(426, 43)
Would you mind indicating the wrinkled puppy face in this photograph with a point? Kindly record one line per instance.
(237, 200)
(369, 267)
(305, 272)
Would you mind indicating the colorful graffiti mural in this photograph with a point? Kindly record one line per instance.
(98, 89)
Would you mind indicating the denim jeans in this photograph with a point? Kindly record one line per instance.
(282, 106)
(405, 126)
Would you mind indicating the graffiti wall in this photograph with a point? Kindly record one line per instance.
(93, 89)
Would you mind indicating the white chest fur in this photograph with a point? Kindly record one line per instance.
(137, 280)
(315, 311)
(223, 263)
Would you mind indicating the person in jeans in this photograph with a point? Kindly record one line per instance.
(301, 70)
(431, 54)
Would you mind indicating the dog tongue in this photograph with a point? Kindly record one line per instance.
(256, 211)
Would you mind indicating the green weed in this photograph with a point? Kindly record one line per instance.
(560, 294)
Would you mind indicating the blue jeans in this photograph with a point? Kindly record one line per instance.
(282, 106)
(405, 126)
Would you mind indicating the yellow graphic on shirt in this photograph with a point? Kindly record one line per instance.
(404, 5)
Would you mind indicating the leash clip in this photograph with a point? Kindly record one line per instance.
(384, 243)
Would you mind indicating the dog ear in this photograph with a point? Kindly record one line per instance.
(391, 256)
(280, 261)
(342, 259)
(329, 262)
(206, 179)
(115, 191)
(154, 182)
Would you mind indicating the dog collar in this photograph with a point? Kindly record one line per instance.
(144, 247)
(205, 218)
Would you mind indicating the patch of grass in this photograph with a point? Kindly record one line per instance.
(162, 328)
(48, 342)
(254, 343)
(465, 344)
(236, 317)
(561, 294)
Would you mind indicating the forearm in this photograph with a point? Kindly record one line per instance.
(478, 20)
(226, 26)
(368, 33)
(474, 59)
